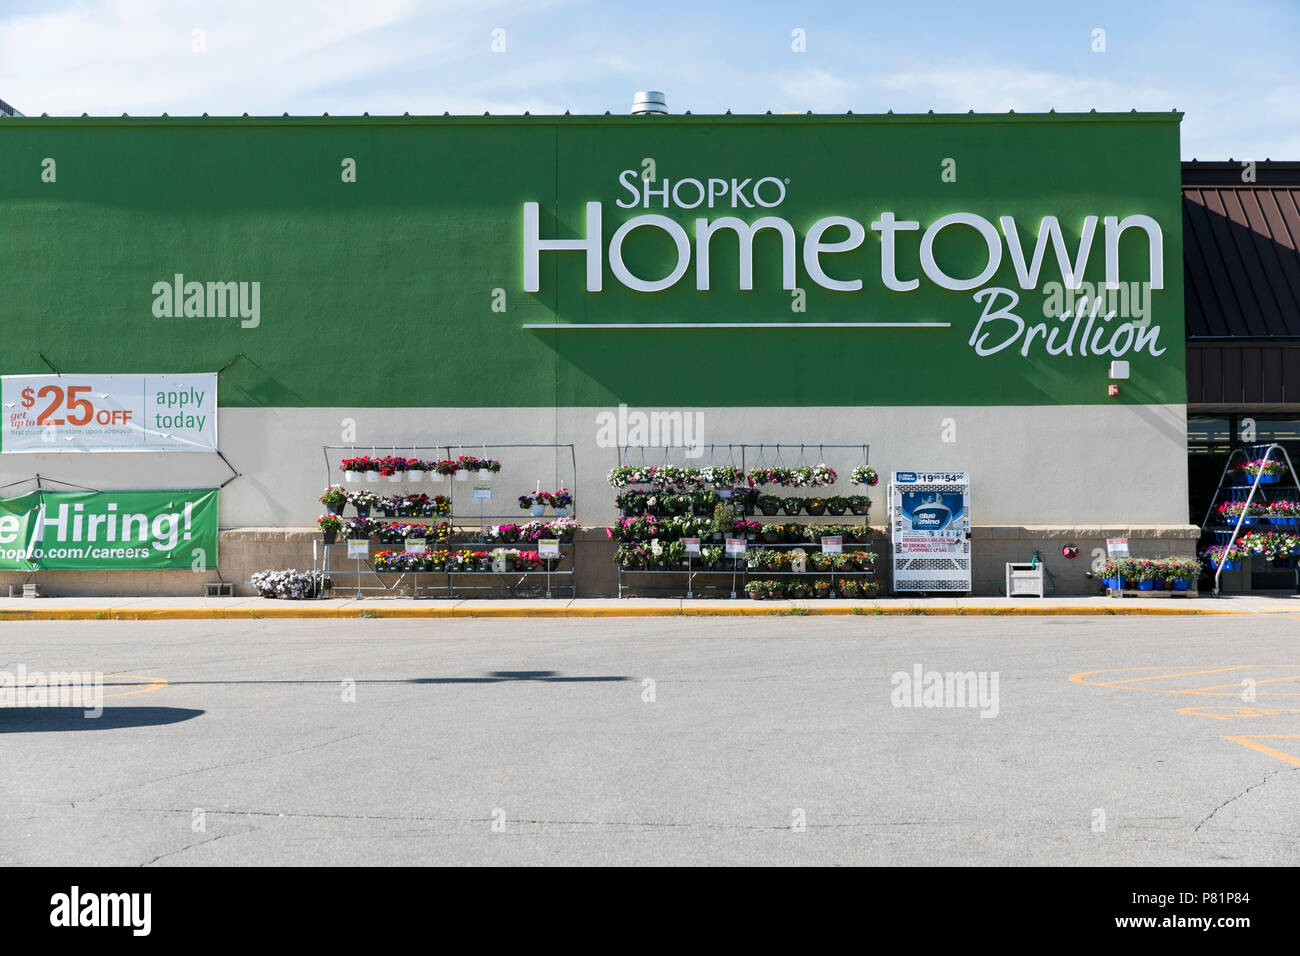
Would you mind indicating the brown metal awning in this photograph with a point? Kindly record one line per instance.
(1241, 262)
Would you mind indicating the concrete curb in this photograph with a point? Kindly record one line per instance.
(548, 610)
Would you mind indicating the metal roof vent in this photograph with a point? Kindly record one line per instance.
(649, 103)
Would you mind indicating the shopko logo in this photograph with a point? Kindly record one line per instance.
(998, 327)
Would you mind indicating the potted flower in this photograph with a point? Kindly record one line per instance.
(533, 503)
(864, 475)
(792, 506)
(745, 499)
(769, 504)
(756, 590)
(1184, 572)
(562, 501)
(820, 588)
(710, 555)
(821, 475)
(859, 504)
(1225, 557)
(770, 533)
(703, 502)
(486, 467)
(1230, 511)
(415, 469)
(330, 525)
(815, 506)
(353, 468)
(439, 470)
(723, 519)
(363, 501)
(334, 499)
(836, 505)
(850, 588)
(1283, 512)
(562, 528)
(357, 528)
(1268, 470)
(389, 505)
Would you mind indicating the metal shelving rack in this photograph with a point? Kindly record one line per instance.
(1229, 534)
(512, 581)
(737, 569)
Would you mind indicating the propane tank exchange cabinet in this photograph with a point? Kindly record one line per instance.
(929, 529)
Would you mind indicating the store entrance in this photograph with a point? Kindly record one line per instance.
(1210, 439)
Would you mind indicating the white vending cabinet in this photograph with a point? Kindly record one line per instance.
(929, 521)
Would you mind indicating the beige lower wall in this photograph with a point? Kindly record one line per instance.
(246, 550)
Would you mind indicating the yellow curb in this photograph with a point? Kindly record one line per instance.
(556, 611)
(395, 612)
(623, 612)
(78, 614)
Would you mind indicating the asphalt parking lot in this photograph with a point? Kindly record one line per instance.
(785, 740)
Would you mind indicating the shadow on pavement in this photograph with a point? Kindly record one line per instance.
(40, 720)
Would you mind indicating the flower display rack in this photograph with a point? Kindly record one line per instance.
(1255, 511)
(475, 549)
(663, 504)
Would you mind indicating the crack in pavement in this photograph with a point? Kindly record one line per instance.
(190, 846)
(1255, 786)
(220, 766)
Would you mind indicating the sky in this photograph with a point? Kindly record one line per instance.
(1231, 65)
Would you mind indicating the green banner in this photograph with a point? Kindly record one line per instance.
(672, 261)
(109, 530)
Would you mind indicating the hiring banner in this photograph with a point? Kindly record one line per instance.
(109, 530)
(47, 413)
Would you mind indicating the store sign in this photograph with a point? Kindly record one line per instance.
(548, 548)
(109, 530)
(692, 545)
(415, 546)
(58, 413)
(832, 544)
(736, 547)
(1117, 547)
(798, 236)
(358, 547)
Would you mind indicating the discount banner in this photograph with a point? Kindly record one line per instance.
(109, 530)
(45, 413)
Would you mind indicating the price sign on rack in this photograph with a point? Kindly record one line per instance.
(832, 544)
(415, 545)
(692, 545)
(548, 548)
(358, 547)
